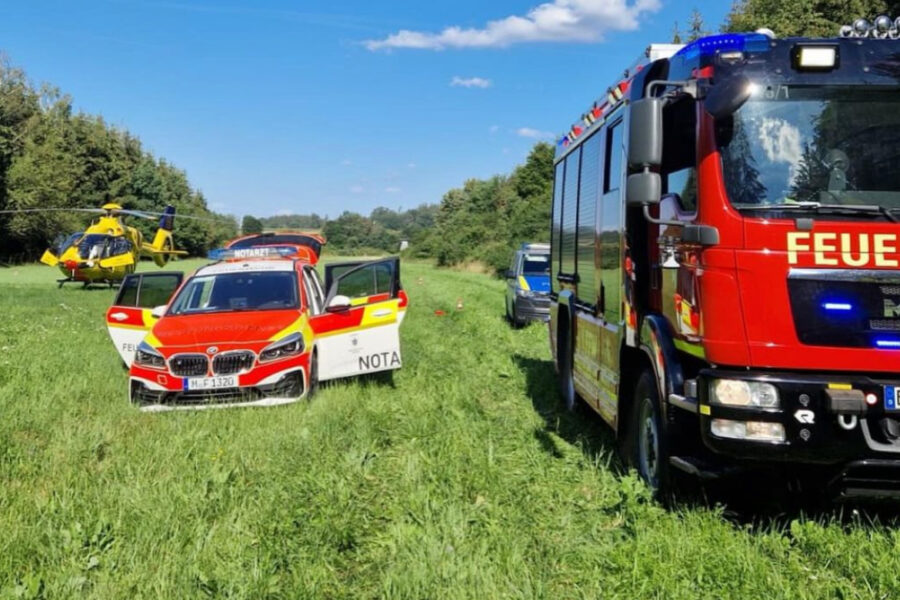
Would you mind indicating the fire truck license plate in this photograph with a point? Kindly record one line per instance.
(891, 397)
(193, 384)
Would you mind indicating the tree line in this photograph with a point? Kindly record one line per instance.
(54, 157)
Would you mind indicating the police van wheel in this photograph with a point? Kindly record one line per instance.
(650, 448)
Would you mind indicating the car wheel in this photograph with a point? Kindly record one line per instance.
(566, 373)
(313, 386)
(650, 447)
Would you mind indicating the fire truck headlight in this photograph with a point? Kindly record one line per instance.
(755, 431)
(817, 57)
(750, 394)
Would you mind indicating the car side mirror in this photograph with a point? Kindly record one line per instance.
(642, 189)
(510, 274)
(645, 136)
(159, 311)
(338, 304)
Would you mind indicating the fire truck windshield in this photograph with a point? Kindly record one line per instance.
(804, 147)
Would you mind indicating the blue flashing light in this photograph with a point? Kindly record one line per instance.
(726, 42)
(885, 343)
(837, 306)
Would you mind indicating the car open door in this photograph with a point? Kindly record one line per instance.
(130, 317)
(359, 331)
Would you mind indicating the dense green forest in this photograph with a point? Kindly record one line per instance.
(51, 156)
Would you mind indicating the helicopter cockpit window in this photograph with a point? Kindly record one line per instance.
(63, 243)
(94, 246)
(117, 246)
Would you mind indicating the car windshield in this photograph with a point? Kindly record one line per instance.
(536, 264)
(237, 292)
(806, 147)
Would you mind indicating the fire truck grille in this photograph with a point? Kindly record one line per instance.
(231, 363)
(189, 365)
(885, 324)
(849, 309)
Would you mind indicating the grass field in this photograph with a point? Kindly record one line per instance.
(462, 479)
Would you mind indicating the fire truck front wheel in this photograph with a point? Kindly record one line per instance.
(650, 453)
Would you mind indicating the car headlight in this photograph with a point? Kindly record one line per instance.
(148, 356)
(289, 346)
(524, 293)
(751, 394)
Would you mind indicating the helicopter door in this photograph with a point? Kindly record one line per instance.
(129, 319)
(358, 330)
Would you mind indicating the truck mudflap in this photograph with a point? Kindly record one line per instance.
(828, 419)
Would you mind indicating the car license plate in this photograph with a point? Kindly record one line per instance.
(194, 384)
(891, 397)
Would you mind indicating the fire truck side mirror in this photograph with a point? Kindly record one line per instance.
(643, 188)
(726, 97)
(645, 137)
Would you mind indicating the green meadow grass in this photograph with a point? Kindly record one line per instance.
(461, 479)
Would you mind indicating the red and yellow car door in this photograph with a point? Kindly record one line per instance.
(130, 317)
(359, 330)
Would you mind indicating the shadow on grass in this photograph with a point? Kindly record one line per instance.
(581, 427)
(761, 501)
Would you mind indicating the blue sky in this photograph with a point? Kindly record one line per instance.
(274, 106)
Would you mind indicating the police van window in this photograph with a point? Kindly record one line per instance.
(613, 173)
(536, 264)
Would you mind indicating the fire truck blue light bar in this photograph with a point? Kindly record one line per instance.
(727, 42)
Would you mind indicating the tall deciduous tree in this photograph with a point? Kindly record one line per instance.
(812, 18)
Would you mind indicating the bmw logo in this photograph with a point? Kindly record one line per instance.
(212, 350)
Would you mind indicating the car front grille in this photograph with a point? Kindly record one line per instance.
(189, 365)
(231, 363)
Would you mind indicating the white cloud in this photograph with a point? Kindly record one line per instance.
(357, 189)
(535, 134)
(392, 189)
(556, 21)
(782, 143)
(470, 82)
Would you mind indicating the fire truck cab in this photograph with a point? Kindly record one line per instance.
(725, 259)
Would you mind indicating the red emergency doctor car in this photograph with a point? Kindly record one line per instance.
(256, 328)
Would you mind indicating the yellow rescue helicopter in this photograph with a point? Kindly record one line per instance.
(108, 250)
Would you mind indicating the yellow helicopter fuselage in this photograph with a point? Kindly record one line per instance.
(108, 250)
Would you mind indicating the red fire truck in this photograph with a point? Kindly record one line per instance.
(726, 262)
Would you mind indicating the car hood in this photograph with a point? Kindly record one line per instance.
(223, 328)
(538, 283)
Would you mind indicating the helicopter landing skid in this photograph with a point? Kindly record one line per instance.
(85, 284)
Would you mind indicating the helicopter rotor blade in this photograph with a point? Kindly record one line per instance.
(146, 214)
(39, 210)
